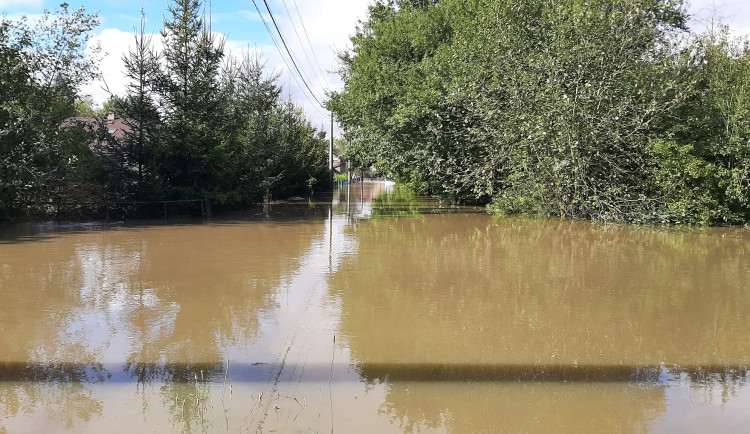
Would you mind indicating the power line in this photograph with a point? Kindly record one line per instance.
(321, 78)
(286, 47)
(296, 67)
(310, 43)
(281, 54)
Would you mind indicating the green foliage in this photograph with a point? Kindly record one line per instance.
(717, 119)
(197, 124)
(191, 102)
(400, 193)
(279, 154)
(130, 163)
(687, 184)
(42, 67)
(600, 109)
(222, 131)
(84, 108)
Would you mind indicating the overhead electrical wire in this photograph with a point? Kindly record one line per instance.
(291, 57)
(286, 47)
(321, 78)
(283, 57)
(309, 43)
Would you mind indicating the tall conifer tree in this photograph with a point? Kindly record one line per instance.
(139, 112)
(192, 101)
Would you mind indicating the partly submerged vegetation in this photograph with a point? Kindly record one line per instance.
(196, 123)
(608, 110)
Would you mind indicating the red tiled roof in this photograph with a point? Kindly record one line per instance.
(116, 127)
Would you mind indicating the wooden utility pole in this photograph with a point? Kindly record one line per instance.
(330, 156)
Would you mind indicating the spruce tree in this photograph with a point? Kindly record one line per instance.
(139, 113)
(191, 155)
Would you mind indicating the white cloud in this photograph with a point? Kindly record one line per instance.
(267, 53)
(248, 14)
(114, 44)
(734, 13)
(237, 48)
(31, 19)
(328, 24)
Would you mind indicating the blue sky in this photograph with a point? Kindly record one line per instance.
(328, 24)
(237, 17)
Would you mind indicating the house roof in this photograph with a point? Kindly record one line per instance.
(117, 127)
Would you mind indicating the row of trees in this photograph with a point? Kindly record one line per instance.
(200, 124)
(41, 67)
(598, 109)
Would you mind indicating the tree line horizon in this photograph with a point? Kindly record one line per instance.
(200, 124)
(605, 110)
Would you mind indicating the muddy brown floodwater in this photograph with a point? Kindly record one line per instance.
(380, 317)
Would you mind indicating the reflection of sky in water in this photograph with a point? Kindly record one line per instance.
(305, 314)
(695, 407)
(111, 314)
(108, 299)
(356, 200)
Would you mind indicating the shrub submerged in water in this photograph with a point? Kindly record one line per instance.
(606, 110)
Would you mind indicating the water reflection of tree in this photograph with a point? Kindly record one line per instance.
(213, 285)
(36, 313)
(728, 383)
(62, 385)
(181, 296)
(523, 407)
(71, 401)
(543, 292)
(461, 290)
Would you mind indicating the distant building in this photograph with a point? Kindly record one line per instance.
(339, 164)
(115, 127)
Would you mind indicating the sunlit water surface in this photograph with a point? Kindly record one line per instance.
(373, 317)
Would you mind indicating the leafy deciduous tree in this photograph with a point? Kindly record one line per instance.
(43, 65)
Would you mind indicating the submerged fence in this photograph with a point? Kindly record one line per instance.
(165, 209)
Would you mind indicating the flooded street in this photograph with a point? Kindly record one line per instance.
(373, 317)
